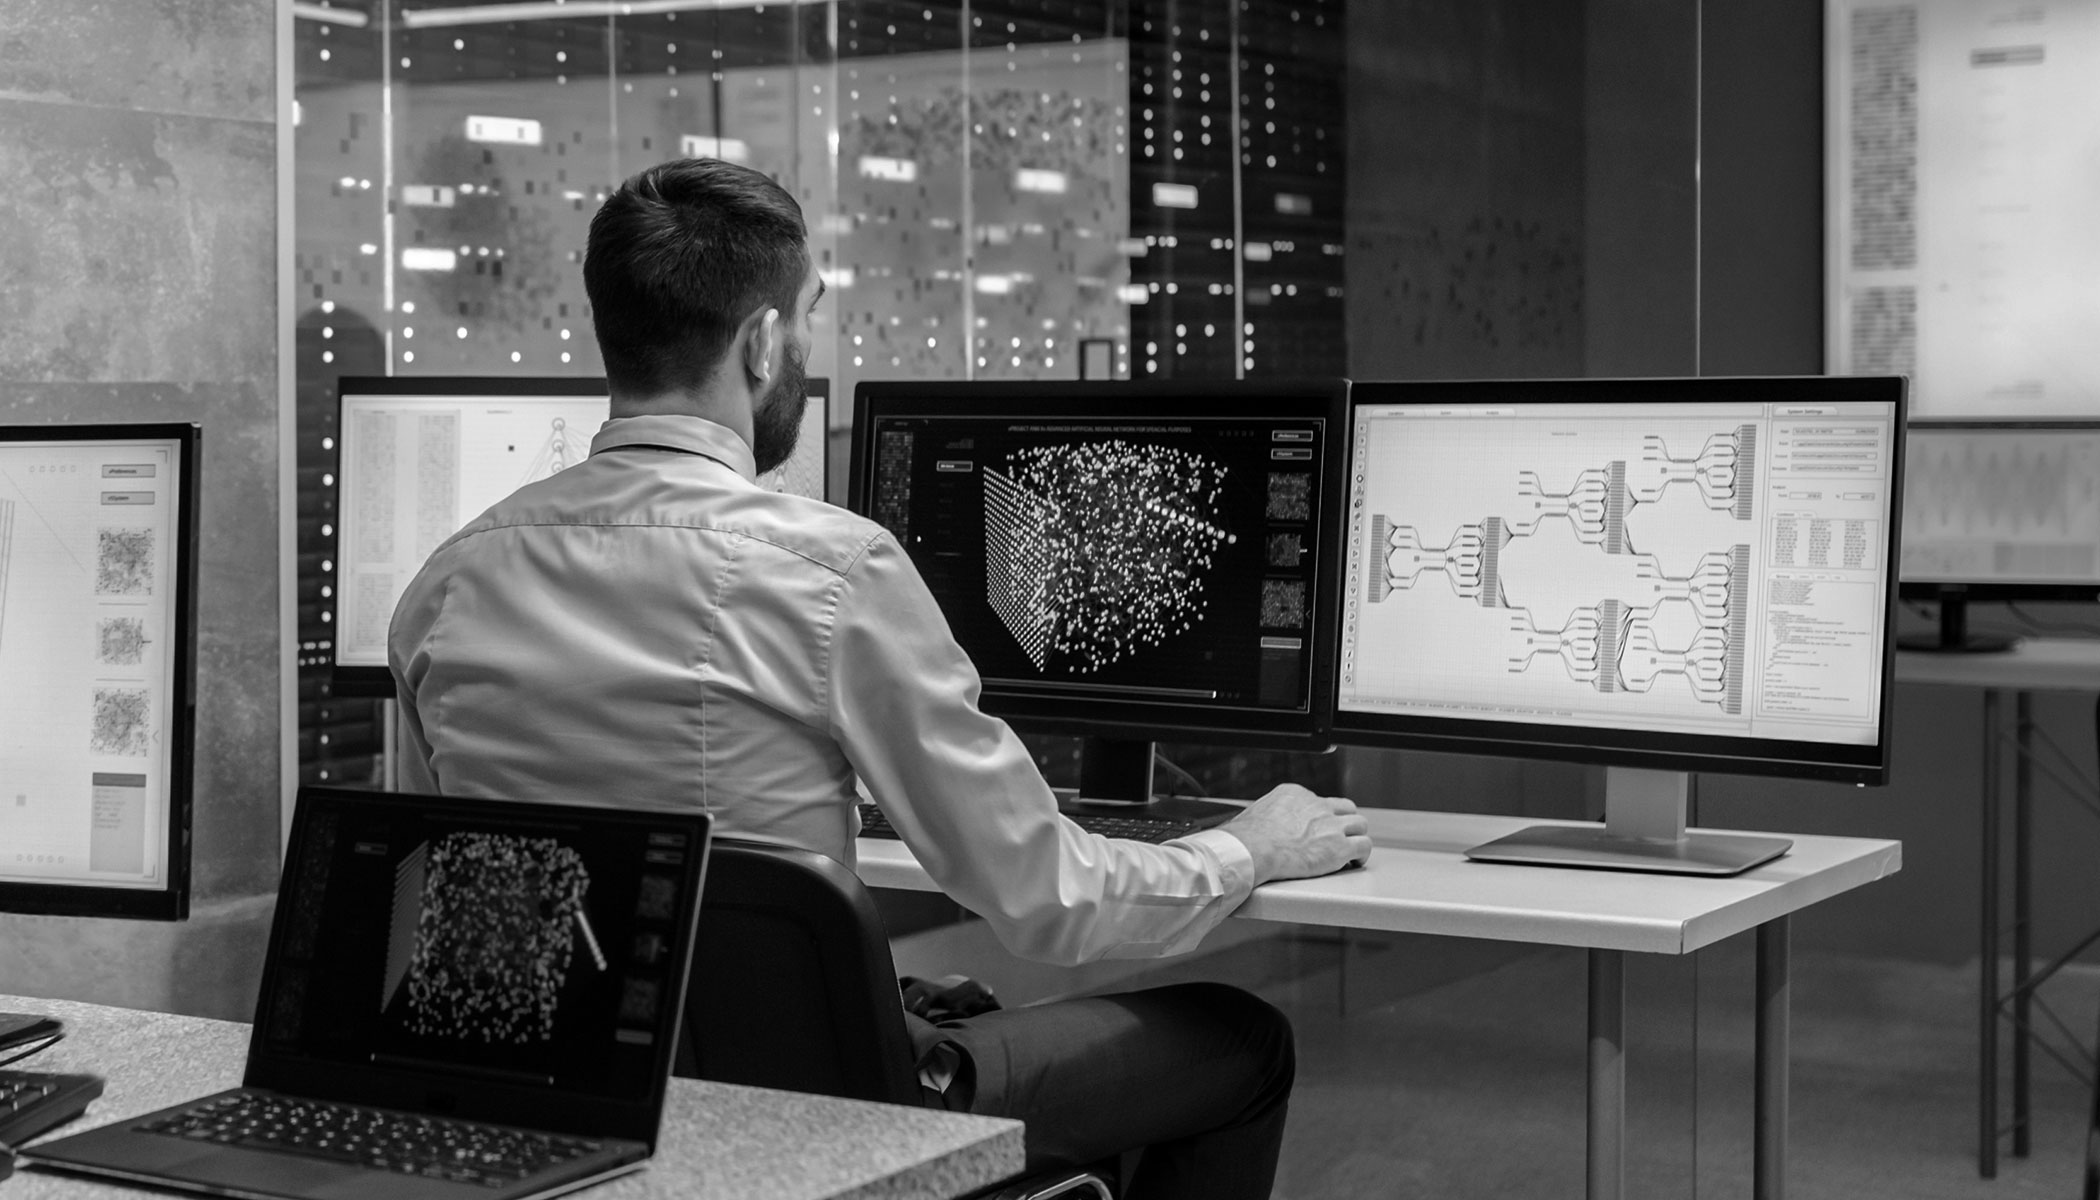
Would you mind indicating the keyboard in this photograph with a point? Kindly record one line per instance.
(33, 1101)
(432, 1147)
(1153, 829)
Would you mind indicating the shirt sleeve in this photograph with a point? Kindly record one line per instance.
(965, 795)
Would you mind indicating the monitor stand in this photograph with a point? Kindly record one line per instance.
(1643, 831)
(1953, 636)
(1115, 778)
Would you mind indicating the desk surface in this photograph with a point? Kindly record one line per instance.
(2035, 664)
(1419, 881)
(718, 1140)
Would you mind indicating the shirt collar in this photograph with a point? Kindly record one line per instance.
(685, 434)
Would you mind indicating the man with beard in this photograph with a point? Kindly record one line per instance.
(651, 625)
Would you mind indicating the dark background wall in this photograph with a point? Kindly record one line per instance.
(138, 283)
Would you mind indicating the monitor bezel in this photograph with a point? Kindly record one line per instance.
(1655, 750)
(493, 1099)
(361, 681)
(170, 903)
(1305, 730)
(2001, 590)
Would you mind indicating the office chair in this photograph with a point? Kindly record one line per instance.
(793, 988)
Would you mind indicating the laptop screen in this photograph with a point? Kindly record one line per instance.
(499, 947)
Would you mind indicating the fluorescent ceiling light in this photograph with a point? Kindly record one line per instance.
(895, 170)
(427, 195)
(1031, 179)
(509, 131)
(333, 16)
(735, 150)
(425, 258)
(1174, 195)
(552, 10)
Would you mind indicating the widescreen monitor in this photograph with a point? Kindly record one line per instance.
(98, 568)
(1660, 575)
(1999, 510)
(422, 456)
(1128, 562)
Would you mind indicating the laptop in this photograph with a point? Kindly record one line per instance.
(461, 998)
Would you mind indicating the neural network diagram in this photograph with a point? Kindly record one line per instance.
(561, 449)
(1097, 550)
(1625, 643)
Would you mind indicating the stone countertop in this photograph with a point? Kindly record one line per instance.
(718, 1140)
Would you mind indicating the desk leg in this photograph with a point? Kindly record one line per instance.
(2023, 920)
(1774, 996)
(1607, 1108)
(1987, 954)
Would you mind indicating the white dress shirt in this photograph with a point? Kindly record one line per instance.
(652, 626)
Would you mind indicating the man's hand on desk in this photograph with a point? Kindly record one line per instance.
(1294, 834)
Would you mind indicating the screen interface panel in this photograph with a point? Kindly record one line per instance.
(542, 954)
(1154, 559)
(1695, 568)
(89, 649)
(418, 467)
(1986, 505)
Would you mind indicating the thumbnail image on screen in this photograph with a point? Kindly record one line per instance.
(1156, 558)
(1713, 568)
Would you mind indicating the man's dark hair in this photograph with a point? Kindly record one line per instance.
(680, 255)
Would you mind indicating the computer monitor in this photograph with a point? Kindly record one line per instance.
(1660, 575)
(1999, 510)
(1122, 561)
(98, 570)
(422, 456)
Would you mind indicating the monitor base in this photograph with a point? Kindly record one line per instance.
(1643, 830)
(1595, 846)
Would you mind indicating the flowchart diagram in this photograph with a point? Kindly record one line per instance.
(1616, 560)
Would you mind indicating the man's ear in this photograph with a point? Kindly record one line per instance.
(761, 333)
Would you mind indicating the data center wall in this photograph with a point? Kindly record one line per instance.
(987, 186)
(137, 158)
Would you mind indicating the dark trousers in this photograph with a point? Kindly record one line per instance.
(1198, 1075)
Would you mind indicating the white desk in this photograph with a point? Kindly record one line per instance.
(1418, 881)
(2032, 665)
(718, 1142)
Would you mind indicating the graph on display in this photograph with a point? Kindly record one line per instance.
(1097, 550)
(1682, 619)
(1984, 504)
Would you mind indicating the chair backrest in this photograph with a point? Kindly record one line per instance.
(793, 986)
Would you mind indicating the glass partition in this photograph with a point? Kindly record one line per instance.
(1032, 189)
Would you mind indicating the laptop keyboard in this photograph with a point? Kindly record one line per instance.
(1137, 829)
(432, 1147)
(33, 1101)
